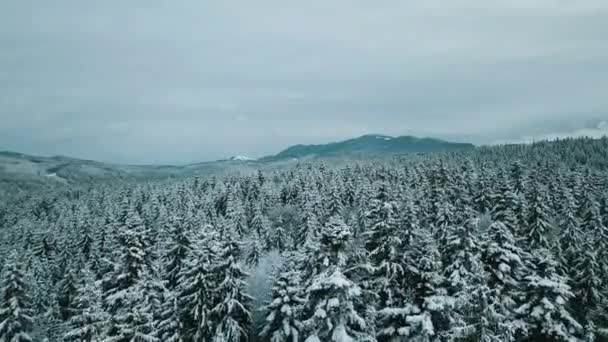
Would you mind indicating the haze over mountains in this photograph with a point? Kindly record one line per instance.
(21, 167)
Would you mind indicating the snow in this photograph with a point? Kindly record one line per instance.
(241, 158)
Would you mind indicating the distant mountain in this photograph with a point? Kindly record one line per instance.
(241, 158)
(20, 171)
(367, 145)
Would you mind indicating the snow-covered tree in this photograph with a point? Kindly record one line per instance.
(178, 251)
(538, 230)
(134, 260)
(88, 319)
(384, 245)
(15, 305)
(282, 322)
(333, 308)
(231, 316)
(545, 306)
(196, 296)
(504, 262)
(588, 288)
(570, 236)
(170, 325)
(423, 315)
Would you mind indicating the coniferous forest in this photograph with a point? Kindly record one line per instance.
(503, 243)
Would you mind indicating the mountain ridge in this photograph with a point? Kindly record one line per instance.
(369, 144)
(18, 167)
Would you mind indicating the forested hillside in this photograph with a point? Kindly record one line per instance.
(506, 243)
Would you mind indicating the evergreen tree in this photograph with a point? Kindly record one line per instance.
(231, 316)
(235, 213)
(196, 296)
(310, 226)
(15, 306)
(503, 260)
(385, 249)
(423, 315)
(88, 318)
(135, 323)
(538, 227)
(545, 307)
(134, 260)
(334, 311)
(177, 253)
(588, 288)
(259, 222)
(68, 287)
(570, 236)
(170, 326)
(282, 322)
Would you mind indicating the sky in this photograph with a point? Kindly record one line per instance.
(173, 82)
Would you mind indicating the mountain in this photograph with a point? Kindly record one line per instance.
(241, 158)
(366, 146)
(20, 171)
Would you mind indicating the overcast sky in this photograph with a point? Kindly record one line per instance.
(148, 81)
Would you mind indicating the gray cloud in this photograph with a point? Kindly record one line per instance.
(172, 82)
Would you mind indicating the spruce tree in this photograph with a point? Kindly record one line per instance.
(88, 318)
(423, 315)
(333, 308)
(570, 236)
(537, 229)
(385, 249)
(15, 305)
(231, 316)
(196, 295)
(504, 262)
(179, 249)
(588, 288)
(170, 325)
(282, 321)
(545, 306)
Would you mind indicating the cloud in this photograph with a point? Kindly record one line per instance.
(598, 131)
(159, 81)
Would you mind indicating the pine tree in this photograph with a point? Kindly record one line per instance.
(179, 250)
(68, 287)
(259, 222)
(231, 315)
(461, 272)
(588, 286)
(385, 249)
(235, 213)
(282, 322)
(538, 227)
(310, 226)
(88, 318)
(545, 307)
(170, 326)
(254, 249)
(135, 323)
(334, 311)
(134, 260)
(86, 242)
(277, 237)
(570, 236)
(196, 290)
(504, 262)
(15, 306)
(422, 315)
(479, 319)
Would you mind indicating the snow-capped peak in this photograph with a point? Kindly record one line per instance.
(383, 137)
(241, 158)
